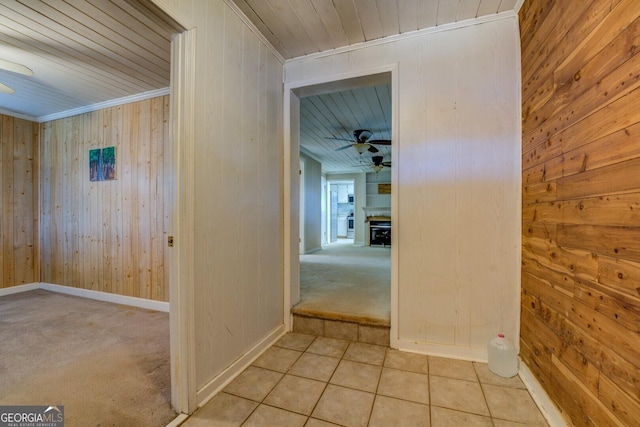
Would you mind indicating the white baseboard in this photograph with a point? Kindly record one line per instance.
(442, 350)
(19, 288)
(542, 399)
(207, 392)
(549, 410)
(107, 297)
(181, 418)
(86, 293)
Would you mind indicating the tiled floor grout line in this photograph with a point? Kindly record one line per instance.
(326, 384)
(356, 352)
(484, 396)
(429, 388)
(375, 394)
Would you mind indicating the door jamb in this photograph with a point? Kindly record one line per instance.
(181, 223)
(290, 153)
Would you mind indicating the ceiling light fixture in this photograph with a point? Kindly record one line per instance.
(6, 89)
(361, 147)
(15, 68)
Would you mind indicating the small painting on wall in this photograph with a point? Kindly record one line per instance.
(102, 164)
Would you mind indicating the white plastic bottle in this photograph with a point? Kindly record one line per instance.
(503, 359)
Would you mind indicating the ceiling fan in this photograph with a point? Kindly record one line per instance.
(377, 163)
(16, 68)
(362, 141)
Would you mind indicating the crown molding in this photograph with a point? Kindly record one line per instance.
(101, 105)
(405, 36)
(6, 112)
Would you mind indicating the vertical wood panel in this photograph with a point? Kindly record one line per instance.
(458, 183)
(581, 135)
(18, 218)
(103, 235)
(8, 173)
(237, 244)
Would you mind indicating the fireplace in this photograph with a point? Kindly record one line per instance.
(379, 232)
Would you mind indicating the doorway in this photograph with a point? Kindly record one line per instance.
(340, 215)
(357, 263)
(302, 199)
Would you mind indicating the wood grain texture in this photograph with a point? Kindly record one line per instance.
(82, 53)
(107, 236)
(301, 27)
(581, 196)
(19, 204)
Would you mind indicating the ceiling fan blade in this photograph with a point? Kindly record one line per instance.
(339, 139)
(344, 148)
(6, 89)
(373, 149)
(16, 68)
(379, 141)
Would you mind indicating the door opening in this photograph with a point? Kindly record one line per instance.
(341, 202)
(338, 224)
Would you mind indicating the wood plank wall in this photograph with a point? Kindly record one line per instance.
(580, 331)
(19, 204)
(107, 236)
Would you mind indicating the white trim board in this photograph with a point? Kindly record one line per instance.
(550, 412)
(19, 288)
(105, 104)
(209, 390)
(177, 421)
(442, 350)
(88, 108)
(548, 409)
(89, 294)
(417, 33)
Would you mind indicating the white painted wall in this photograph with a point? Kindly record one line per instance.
(238, 208)
(312, 221)
(457, 218)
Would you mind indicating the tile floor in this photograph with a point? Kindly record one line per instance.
(305, 380)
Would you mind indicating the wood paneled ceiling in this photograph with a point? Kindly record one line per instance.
(302, 27)
(337, 115)
(82, 52)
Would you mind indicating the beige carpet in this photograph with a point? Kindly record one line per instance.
(108, 364)
(346, 282)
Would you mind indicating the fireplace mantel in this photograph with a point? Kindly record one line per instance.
(377, 211)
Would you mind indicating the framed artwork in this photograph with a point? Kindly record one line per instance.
(102, 164)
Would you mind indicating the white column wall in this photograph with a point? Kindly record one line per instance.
(457, 220)
(238, 208)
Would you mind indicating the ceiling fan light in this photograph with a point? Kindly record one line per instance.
(377, 168)
(361, 148)
(15, 67)
(6, 89)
